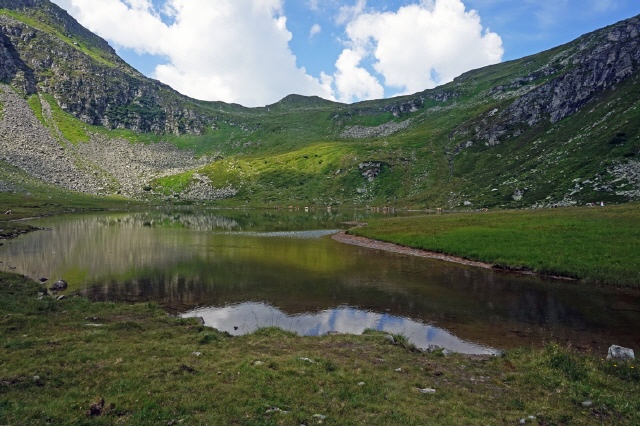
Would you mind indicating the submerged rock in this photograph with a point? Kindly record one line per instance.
(59, 285)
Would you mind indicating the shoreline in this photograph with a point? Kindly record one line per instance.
(273, 376)
(354, 240)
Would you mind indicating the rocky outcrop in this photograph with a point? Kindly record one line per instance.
(401, 106)
(371, 169)
(100, 166)
(28, 145)
(88, 80)
(383, 130)
(583, 70)
(202, 189)
(12, 69)
(413, 104)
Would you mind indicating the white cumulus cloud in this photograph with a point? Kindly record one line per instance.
(348, 13)
(239, 50)
(353, 82)
(230, 50)
(419, 46)
(315, 30)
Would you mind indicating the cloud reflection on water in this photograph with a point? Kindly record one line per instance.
(247, 317)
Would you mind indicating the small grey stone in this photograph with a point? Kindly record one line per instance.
(59, 285)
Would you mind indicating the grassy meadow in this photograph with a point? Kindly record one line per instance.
(71, 361)
(592, 244)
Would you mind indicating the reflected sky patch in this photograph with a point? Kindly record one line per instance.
(247, 317)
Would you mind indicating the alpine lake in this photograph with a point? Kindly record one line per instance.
(241, 270)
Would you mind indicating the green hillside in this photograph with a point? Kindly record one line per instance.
(557, 128)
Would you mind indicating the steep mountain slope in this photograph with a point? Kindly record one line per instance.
(46, 50)
(560, 127)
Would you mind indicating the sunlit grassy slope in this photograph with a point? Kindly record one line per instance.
(302, 157)
(424, 148)
(422, 165)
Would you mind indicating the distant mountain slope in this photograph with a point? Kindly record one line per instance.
(46, 50)
(557, 128)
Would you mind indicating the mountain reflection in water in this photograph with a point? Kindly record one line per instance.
(248, 317)
(185, 260)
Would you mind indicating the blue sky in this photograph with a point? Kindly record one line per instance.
(255, 52)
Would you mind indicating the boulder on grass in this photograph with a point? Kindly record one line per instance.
(619, 353)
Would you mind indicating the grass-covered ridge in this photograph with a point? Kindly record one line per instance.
(468, 144)
(576, 161)
(60, 358)
(593, 244)
(41, 21)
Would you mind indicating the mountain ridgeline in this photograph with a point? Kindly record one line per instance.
(561, 127)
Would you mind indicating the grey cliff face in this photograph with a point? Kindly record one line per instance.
(12, 69)
(582, 72)
(88, 80)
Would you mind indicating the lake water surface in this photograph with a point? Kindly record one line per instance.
(241, 270)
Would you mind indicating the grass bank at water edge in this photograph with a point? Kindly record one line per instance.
(43, 200)
(71, 361)
(592, 244)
